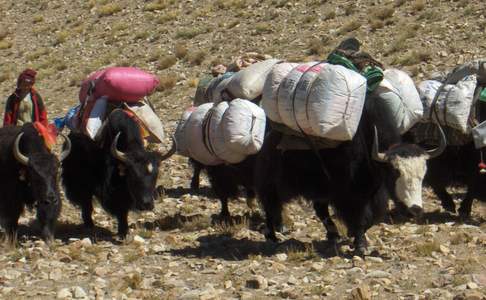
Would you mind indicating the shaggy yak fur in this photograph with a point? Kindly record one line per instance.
(355, 178)
(117, 169)
(28, 178)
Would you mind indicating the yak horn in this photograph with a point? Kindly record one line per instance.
(117, 153)
(172, 150)
(442, 145)
(67, 149)
(16, 151)
(375, 153)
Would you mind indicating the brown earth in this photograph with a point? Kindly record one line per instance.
(176, 251)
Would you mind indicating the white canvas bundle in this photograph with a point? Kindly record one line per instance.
(193, 135)
(454, 102)
(336, 102)
(181, 142)
(301, 97)
(215, 139)
(243, 127)
(397, 99)
(96, 117)
(286, 93)
(270, 89)
(476, 67)
(248, 83)
(217, 91)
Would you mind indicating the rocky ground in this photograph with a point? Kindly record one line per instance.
(178, 251)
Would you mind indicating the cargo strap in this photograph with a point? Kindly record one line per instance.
(306, 137)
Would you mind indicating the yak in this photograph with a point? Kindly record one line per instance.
(29, 173)
(356, 178)
(457, 165)
(116, 168)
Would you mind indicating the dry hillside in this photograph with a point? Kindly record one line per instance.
(177, 252)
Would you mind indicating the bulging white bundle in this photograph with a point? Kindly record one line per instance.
(248, 83)
(226, 132)
(320, 99)
(397, 99)
(269, 101)
(243, 127)
(448, 104)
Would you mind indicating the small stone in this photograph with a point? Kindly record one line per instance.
(292, 280)
(290, 294)
(480, 279)
(378, 274)
(64, 293)
(257, 282)
(374, 259)
(86, 242)
(317, 266)
(56, 275)
(281, 257)
(228, 284)
(444, 250)
(472, 285)
(470, 295)
(79, 292)
(138, 240)
(159, 248)
(361, 293)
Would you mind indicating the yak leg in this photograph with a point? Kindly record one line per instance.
(195, 176)
(122, 218)
(251, 199)
(360, 243)
(273, 213)
(466, 204)
(224, 215)
(322, 211)
(444, 197)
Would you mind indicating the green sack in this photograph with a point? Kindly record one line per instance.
(337, 59)
(374, 76)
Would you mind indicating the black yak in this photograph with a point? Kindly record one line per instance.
(356, 178)
(29, 173)
(117, 169)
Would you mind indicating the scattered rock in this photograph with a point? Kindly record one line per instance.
(470, 295)
(138, 240)
(362, 292)
(378, 274)
(472, 285)
(64, 293)
(257, 282)
(228, 284)
(281, 256)
(86, 242)
(79, 293)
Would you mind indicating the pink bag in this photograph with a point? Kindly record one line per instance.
(126, 84)
(83, 92)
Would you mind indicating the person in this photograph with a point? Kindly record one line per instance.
(25, 104)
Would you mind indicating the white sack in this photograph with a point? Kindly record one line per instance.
(193, 135)
(243, 127)
(454, 102)
(301, 97)
(215, 139)
(336, 102)
(181, 142)
(397, 99)
(248, 83)
(149, 118)
(286, 94)
(96, 117)
(270, 89)
(476, 67)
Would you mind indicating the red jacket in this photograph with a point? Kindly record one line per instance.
(12, 107)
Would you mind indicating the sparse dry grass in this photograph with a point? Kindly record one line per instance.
(156, 5)
(230, 4)
(376, 24)
(5, 44)
(167, 82)
(189, 33)
(180, 50)
(418, 5)
(350, 26)
(37, 19)
(166, 62)
(262, 28)
(399, 3)
(426, 248)
(383, 13)
(109, 9)
(167, 17)
(61, 37)
(196, 58)
(413, 57)
(3, 33)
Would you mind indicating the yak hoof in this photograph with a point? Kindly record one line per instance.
(271, 237)
(332, 237)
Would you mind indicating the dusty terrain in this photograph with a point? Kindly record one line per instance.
(177, 251)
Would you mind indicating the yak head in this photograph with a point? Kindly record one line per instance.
(406, 165)
(40, 172)
(140, 168)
